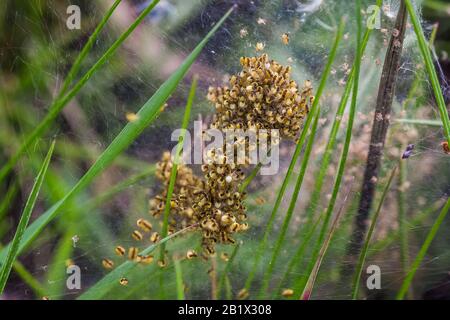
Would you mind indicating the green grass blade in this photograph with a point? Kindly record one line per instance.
(426, 54)
(287, 219)
(176, 161)
(402, 216)
(342, 162)
(64, 249)
(28, 279)
(228, 289)
(415, 223)
(363, 255)
(298, 255)
(85, 51)
(24, 219)
(9, 196)
(146, 115)
(250, 177)
(56, 107)
(227, 268)
(307, 291)
(423, 250)
(101, 287)
(179, 279)
(56, 273)
(121, 186)
(173, 177)
(331, 143)
(424, 122)
(295, 156)
(262, 245)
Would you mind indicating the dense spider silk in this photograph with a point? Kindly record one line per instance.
(151, 54)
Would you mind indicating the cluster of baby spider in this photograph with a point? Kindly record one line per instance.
(261, 97)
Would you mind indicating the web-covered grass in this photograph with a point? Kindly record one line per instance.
(37, 50)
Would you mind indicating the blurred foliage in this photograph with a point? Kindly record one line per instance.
(36, 51)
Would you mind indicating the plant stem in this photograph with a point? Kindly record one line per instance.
(59, 104)
(402, 218)
(424, 122)
(179, 279)
(423, 250)
(307, 291)
(284, 228)
(146, 115)
(227, 268)
(302, 281)
(101, 287)
(280, 194)
(426, 54)
(329, 149)
(363, 255)
(24, 219)
(298, 255)
(86, 48)
(295, 156)
(176, 161)
(380, 126)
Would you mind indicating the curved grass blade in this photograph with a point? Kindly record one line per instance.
(59, 104)
(250, 177)
(298, 255)
(415, 223)
(306, 294)
(64, 248)
(176, 161)
(423, 250)
(287, 219)
(179, 279)
(24, 219)
(426, 54)
(423, 122)
(146, 115)
(295, 156)
(28, 278)
(101, 287)
(86, 48)
(300, 286)
(363, 255)
(119, 187)
(227, 268)
(173, 176)
(277, 204)
(324, 165)
(9, 196)
(403, 217)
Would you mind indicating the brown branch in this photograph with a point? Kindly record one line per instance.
(380, 126)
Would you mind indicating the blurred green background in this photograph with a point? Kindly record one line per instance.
(36, 51)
